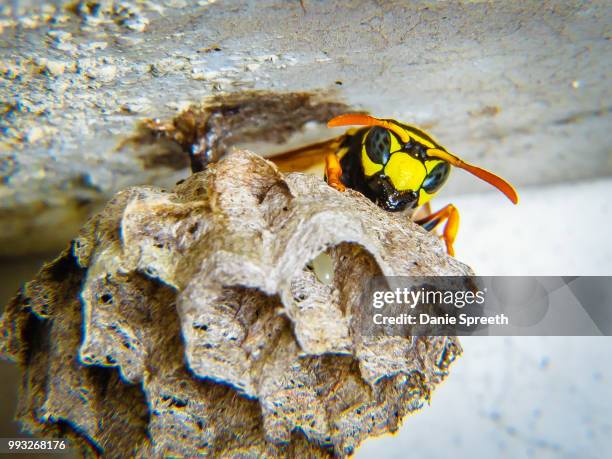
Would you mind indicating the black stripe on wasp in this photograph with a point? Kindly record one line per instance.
(397, 166)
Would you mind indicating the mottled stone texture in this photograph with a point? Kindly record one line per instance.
(187, 322)
(520, 88)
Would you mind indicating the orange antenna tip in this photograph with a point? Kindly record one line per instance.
(479, 172)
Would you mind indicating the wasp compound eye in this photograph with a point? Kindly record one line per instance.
(378, 145)
(436, 178)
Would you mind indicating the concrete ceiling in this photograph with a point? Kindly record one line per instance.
(520, 88)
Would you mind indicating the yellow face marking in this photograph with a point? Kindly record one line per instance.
(430, 164)
(405, 172)
(424, 197)
(369, 167)
(395, 145)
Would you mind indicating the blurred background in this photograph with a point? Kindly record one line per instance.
(524, 396)
(519, 88)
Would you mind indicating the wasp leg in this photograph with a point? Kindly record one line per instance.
(333, 171)
(309, 158)
(451, 215)
(422, 212)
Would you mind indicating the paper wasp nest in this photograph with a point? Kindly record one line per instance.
(187, 323)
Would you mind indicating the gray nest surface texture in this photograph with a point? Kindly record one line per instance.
(187, 322)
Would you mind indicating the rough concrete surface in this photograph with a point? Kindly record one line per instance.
(521, 88)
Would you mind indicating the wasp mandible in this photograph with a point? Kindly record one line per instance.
(397, 166)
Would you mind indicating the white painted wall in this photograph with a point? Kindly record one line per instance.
(523, 397)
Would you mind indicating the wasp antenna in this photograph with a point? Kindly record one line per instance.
(479, 172)
(353, 119)
(494, 180)
(360, 119)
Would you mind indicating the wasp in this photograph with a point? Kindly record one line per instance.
(397, 166)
